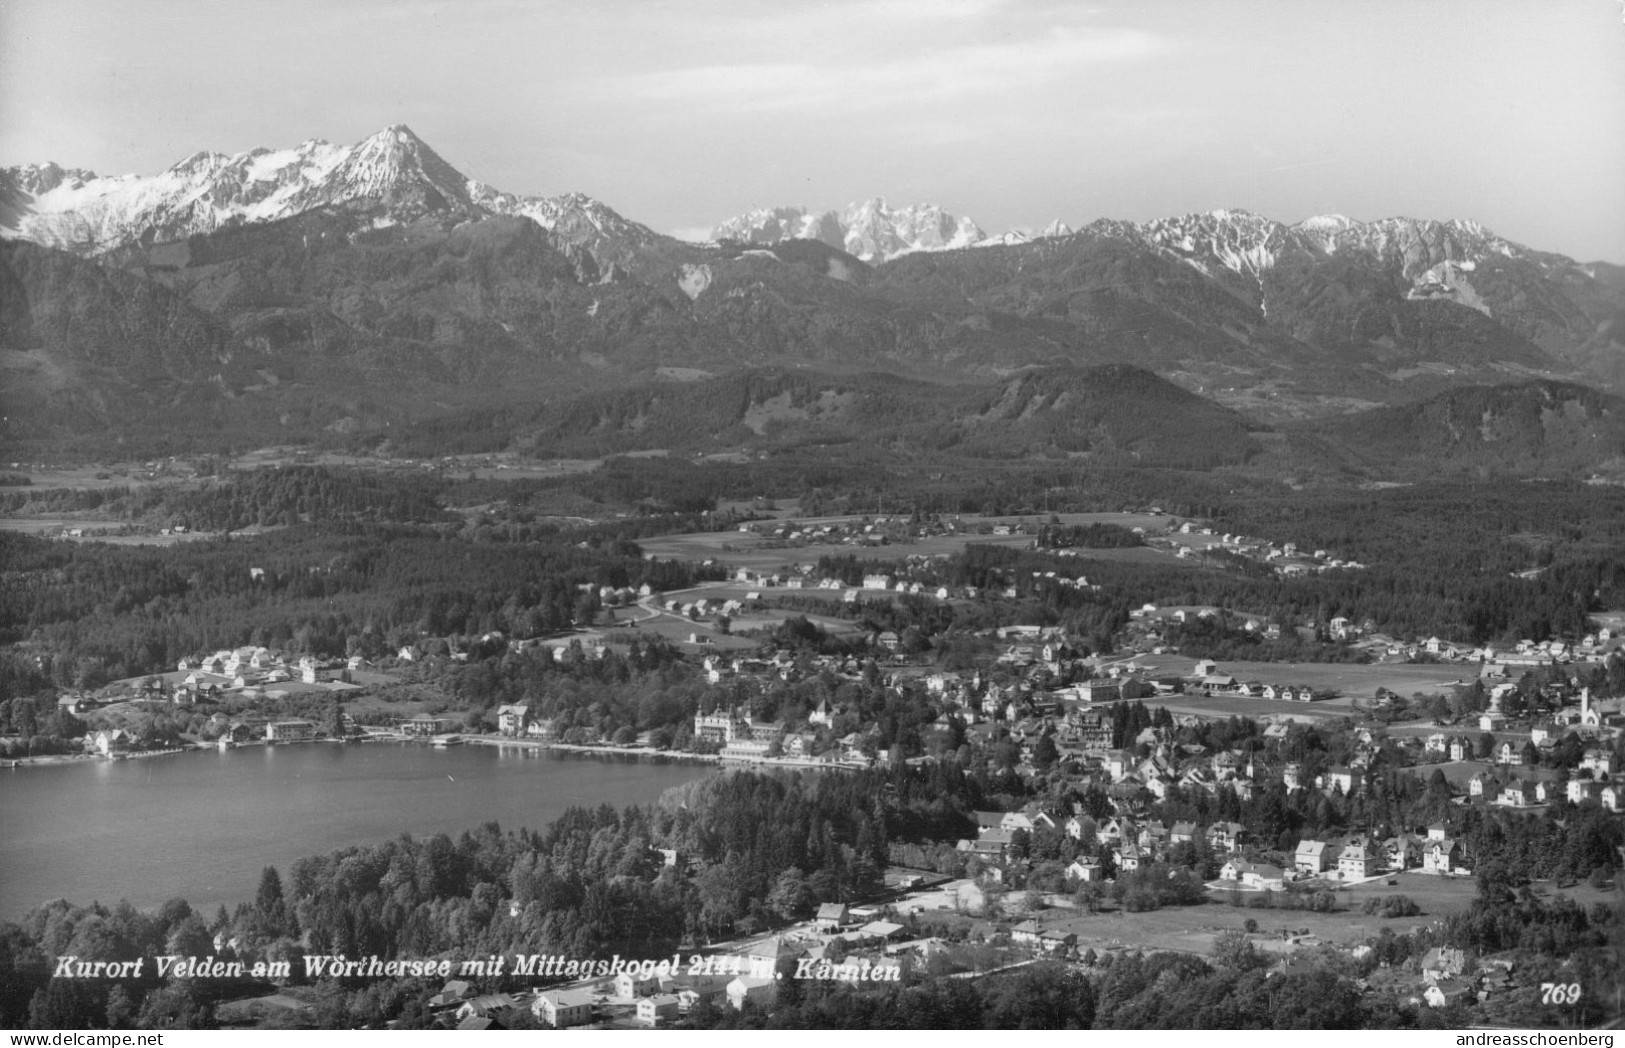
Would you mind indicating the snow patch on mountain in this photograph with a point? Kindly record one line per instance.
(1055, 229)
(1414, 246)
(694, 279)
(1447, 281)
(1432, 255)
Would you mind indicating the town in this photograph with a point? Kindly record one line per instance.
(1146, 794)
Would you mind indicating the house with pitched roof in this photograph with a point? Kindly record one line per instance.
(1358, 860)
(563, 1008)
(1310, 857)
(513, 720)
(832, 917)
(1441, 856)
(754, 989)
(662, 1007)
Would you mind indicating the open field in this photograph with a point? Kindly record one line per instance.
(1470, 729)
(43, 525)
(96, 477)
(495, 466)
(1243, 706)
(1143, 555)
(1614, 620)
(1349, 680)
(676, 629)
(749, 550)
(743, 550)
(53, 525)
(1192, 929)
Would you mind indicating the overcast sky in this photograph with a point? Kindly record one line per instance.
(1013, 112)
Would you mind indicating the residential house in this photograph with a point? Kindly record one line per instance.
(562, 1008)
(1403, 852)
(513, 720)
(1083, 870)
(486, 1006)
(1016, 820)
(1519, 794)
(108, 743)
(1357, 860)
(1056, 941)
(1582, 790)
(633, 983)
(832, 917)
(1027, 933)
(1226, 836)
(755, 989)
(1115, 830)
(1441, 856)
(660, 1008)
(450, 995)
(1599, 762)
(1340, 778)
(1310, 857)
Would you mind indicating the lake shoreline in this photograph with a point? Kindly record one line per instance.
(584, 749)
(203, 828)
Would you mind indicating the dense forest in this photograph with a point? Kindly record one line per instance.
(83, 614)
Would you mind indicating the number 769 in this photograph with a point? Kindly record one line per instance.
(1559, 993)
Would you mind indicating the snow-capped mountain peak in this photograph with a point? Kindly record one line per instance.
(393, 175)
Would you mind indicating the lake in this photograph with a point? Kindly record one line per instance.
(203, 825)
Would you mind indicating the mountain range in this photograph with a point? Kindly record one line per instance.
(370, 292)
